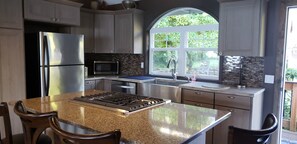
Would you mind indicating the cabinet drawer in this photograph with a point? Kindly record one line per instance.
(233, 101)
(198, 104)
(198, 96)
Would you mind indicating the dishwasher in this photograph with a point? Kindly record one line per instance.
(123, 86)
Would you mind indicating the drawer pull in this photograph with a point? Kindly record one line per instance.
(231, 97)
(199, 105)
(197, 93)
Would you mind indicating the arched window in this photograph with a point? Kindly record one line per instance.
(189, 36)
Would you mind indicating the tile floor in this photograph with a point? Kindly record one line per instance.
(288, 142)
(289, 137)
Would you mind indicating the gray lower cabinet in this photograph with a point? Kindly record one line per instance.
(97, 84)
(90, 84)
(246, 111)
(12, 72)
(239, 118)
(201, 99)
(100, 84)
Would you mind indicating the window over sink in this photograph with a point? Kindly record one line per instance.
(189, 36)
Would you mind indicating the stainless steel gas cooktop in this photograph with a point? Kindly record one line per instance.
(122, 102)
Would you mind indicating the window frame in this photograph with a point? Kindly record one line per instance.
(182, 49)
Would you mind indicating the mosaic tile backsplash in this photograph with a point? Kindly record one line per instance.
(129, 63)
(248, 71)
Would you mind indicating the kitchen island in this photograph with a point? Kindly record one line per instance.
(170, 123)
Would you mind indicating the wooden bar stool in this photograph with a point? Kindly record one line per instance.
(33, 124)
(9, 138)
(243, 136)
(62, 136)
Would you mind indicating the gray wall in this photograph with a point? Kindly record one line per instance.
(272, 36)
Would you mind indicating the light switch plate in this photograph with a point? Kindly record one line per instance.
(269, 79)
(142, 65)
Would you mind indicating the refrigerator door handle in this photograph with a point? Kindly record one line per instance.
(47, 75)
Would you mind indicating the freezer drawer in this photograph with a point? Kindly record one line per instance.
(62, 79)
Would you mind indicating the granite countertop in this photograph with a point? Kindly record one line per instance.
(165, 124)
(223, 89)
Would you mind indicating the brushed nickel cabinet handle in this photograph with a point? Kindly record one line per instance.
(231, 97)
(198, 93)
(199, 105)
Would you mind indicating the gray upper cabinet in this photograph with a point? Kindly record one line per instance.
(86, 28)
(242, 28)
(113, 31)
(104, 32)
(53, 11)
(66, 14)
(129, 31)
(11, 14)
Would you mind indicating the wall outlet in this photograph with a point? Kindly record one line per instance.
(269, 79)
(142, 65)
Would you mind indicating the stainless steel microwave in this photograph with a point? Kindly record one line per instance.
(106, 67)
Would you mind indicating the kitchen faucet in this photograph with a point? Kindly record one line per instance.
(173, 71)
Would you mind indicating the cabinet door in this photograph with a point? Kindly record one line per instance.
(124, 33)
(11, 14)
(239, 118)
(12, 71)
(104, 33)
(90, 84)
(87, 29)
(69, 15)
(209, 134)
(240, 28)
(100, 84)
(39, 10)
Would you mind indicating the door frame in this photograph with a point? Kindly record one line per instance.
(280, 66)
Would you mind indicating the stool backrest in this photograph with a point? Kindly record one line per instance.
(244, 136)
(62, 136)
(33, 124)
(4, 112)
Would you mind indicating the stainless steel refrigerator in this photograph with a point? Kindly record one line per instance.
(54, 63)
